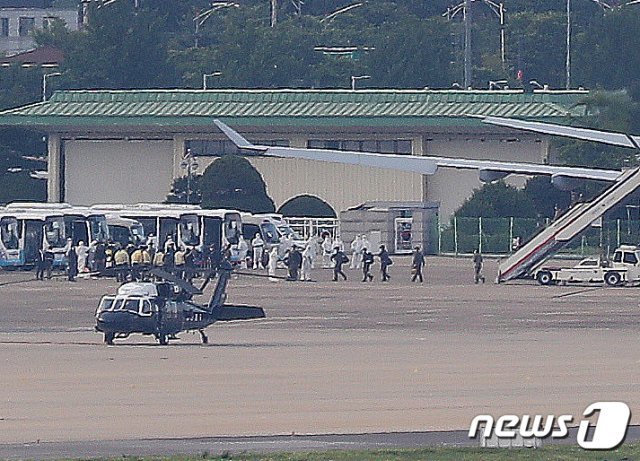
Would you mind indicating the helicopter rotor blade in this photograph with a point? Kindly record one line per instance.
(181, 283)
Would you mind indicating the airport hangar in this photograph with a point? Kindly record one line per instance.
(124, 146)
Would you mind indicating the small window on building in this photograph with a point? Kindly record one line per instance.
(25, 26)
(48, 21)
(4, 27)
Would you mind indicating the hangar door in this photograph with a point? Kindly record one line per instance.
(117, 171)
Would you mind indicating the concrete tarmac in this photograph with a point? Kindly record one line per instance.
(330, 358)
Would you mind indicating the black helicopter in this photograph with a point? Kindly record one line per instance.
(164, 309)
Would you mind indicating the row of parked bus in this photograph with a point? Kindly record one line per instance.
(26, 228)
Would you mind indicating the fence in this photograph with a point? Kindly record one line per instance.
(498, 235)
(306, 227)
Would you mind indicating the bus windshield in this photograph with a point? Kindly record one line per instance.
(269, 232)
(137, 232)
(9, 233)
(190, 230)
(99, 228)
(54, 231)
(232, 231)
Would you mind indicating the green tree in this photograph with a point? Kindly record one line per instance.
(120, 48)
(497, 200)
(186, 191)
(232, 182)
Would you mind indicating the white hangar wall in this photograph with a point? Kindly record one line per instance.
(341, 186)
(117, 171)
(451, 187)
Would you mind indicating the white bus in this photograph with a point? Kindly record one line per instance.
(81, 223)
(23, 233)
(187, 225)
(125, 231)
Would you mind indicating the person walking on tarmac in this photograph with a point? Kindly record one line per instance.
(294, 263)
(417, 265)
(339, 258)
(385, 262)
(367, 261)
(72, 263)
(41, 265)
(477, 265)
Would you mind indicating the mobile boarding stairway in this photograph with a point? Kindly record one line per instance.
(545, 244)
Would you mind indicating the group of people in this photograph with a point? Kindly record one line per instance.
(130, 261)
(133, 262)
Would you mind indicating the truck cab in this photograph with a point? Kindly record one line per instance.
(624, 267)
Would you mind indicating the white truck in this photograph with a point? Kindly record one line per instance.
(622, 269)
(589, 270)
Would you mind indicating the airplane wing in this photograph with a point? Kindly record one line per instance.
(584, 134)
(488, 170)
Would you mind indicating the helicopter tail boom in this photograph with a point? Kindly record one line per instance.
(228, 312)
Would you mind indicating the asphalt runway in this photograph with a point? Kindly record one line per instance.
(330, 358)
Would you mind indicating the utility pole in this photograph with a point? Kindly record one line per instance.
(274, 12)
(467, 44)
(568, 62)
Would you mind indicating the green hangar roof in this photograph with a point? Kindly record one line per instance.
(166, 108)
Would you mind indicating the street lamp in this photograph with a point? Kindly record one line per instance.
(201, 18)
(355, 78)
(206, 76)
(190, 164)
(44, 83)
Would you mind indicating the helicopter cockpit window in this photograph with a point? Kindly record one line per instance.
(117, 305)
(106, 303)
(145, 309)
(131, 305)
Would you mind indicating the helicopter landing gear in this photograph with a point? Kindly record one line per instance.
(205, 338)
(162, 339)
(108, 338)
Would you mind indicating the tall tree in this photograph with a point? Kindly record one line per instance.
(232, 182)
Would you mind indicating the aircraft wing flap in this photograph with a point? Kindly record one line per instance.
(584, 134)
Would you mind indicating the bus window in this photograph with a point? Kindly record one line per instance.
(269, 232)
(137, 233)
(249, 231)
(119, 234)
(99, 228)
(148, 223)
(54, 232)
(168, 228)
(190, 230)
(212, 231)
(75, 227)
(10, 233)
(232, 232)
